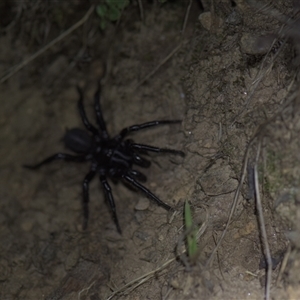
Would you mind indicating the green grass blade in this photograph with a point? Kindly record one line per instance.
(191, 233)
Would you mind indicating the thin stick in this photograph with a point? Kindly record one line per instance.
(85, 289)
(140, 280)
(263, 228)
(284, 264)
(141, 10)
(130, 286)
(244, 171)
(233, 206)
(157, 67)
(48, 46)
(186, 17)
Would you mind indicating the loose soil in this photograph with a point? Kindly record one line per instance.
(239, 106)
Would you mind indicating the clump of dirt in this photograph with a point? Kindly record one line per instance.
(239, 106)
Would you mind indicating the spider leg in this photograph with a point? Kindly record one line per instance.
(84, 118)
(139, 186)
(57, 156)
(85, 203)
(140, 161)
(138, 175)
(109, 197)
(137, 127)
(156, 149)
(99, 115)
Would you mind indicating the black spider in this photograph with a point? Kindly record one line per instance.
(110, 157)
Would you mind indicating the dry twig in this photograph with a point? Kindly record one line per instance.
(263, 227)
(20, 66)
(130, 286)
(140, 280)
(234, 203)
(186, 17)
(158, 66)
(141, 10)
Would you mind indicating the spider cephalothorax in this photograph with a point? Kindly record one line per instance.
(109, 157)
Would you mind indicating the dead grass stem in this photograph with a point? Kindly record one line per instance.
(25, 62)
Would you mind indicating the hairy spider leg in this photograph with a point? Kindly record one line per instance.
(99, 116)
(156, 149)
(109, 197)
(85, 191)
(57, 156)
(82, 113)
(137, 127)
(139, 186)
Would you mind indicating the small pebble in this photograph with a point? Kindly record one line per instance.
(143, 204)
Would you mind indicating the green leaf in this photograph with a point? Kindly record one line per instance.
(191, 233)
(122, 4)
(113, 3)
(101, 10)
(113, 14)
(103, 24)
(111, 10)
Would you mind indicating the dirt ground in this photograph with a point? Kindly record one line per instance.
(230, 75)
